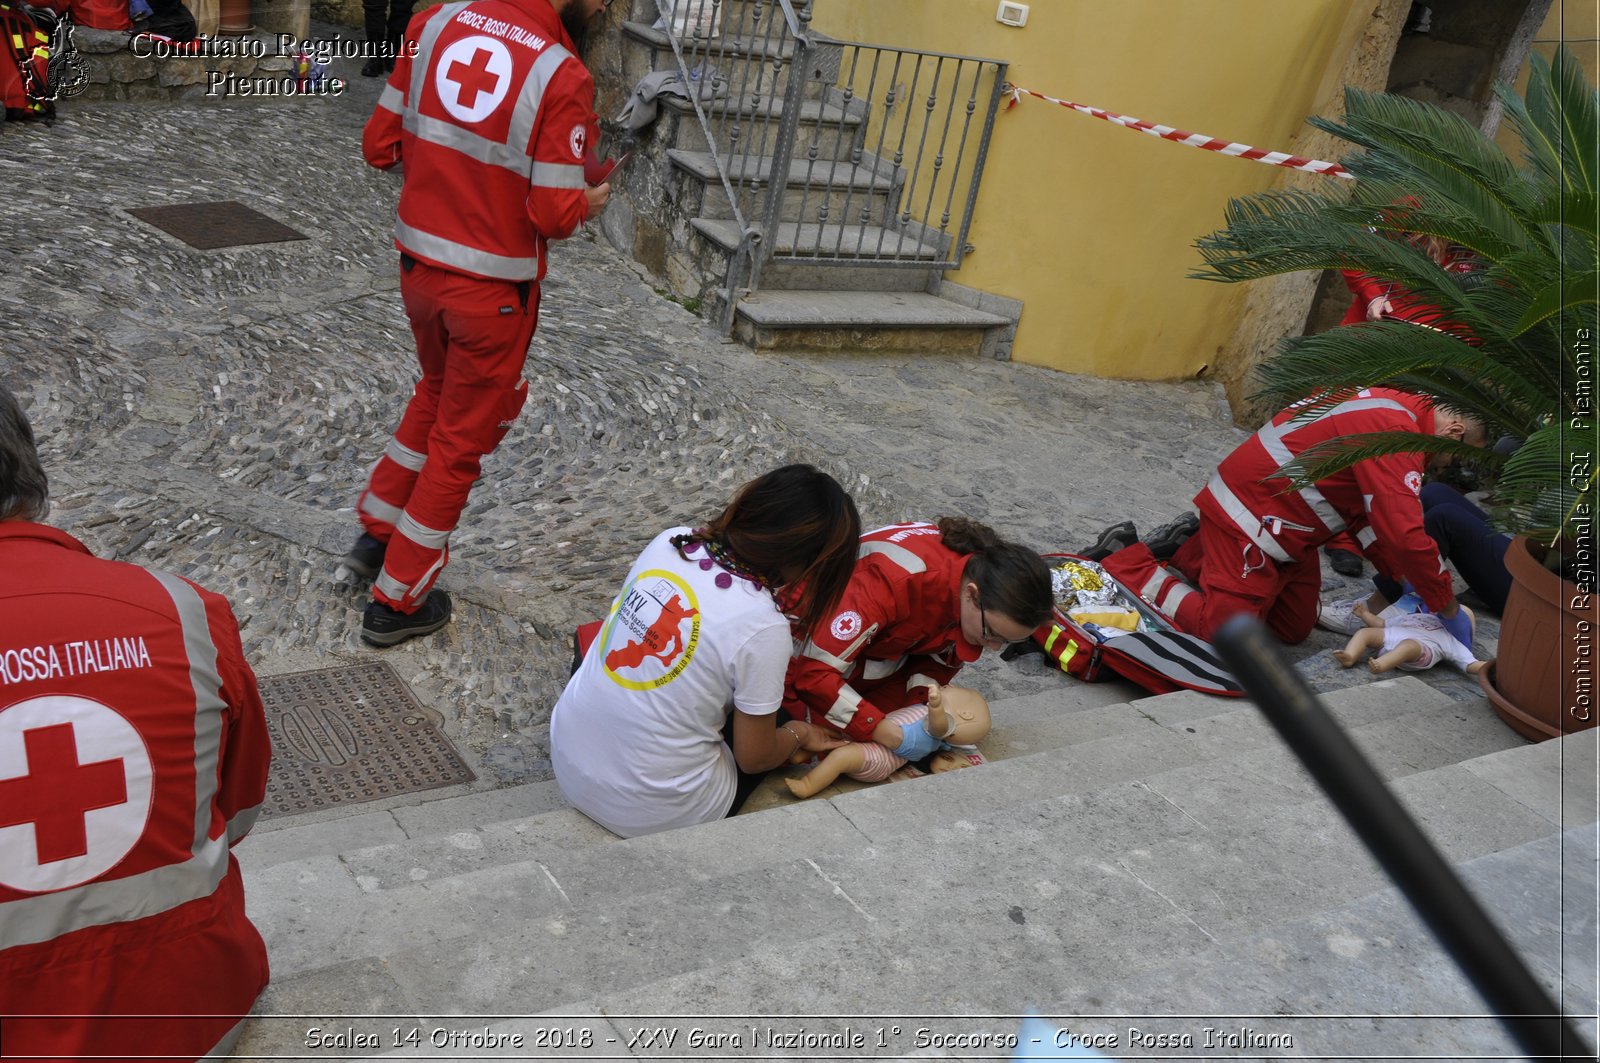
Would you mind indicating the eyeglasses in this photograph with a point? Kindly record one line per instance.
(989, 637)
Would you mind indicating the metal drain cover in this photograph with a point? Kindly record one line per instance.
(211, 225)
(345, 735)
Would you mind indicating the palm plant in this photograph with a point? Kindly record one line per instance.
(1516, 353)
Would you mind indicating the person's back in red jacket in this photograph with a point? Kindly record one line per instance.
(133, 754)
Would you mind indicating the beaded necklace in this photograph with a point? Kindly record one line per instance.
(718, 554)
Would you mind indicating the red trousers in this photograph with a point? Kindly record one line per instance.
(1207, 582)
(472, 342)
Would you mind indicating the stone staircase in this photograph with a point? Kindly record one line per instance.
(1164, 855)
(671, 213)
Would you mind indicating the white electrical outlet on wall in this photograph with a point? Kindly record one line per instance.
(1011, 14)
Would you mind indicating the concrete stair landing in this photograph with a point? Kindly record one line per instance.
(1161, 855)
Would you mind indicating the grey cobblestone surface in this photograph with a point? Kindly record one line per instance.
(214, 413)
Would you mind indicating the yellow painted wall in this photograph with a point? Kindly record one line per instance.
(1090, 225)
(1575, 23)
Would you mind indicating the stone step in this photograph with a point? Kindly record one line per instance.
(438, 889)
(814, 192)
(898, 321)
(868, 244)
(1075, 924)
(1372, 956)
(276, 842)
(734, 45)
(1143, 846)
(824, 129)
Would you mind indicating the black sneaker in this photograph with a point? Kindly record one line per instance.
(383, 626)
(1345, 562)
(375, 67)
(365, 558)
(1111, 540)
(1165, 540)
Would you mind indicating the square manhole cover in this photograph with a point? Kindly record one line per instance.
(208, 226)
(345, 735)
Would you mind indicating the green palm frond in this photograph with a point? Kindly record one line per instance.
(1380, 355)
(1541, 503)
(1341, 452)
(1574, 208)
(1577, 288)
(1435, 155)
(1565, 109)
(1541, 153)
(1505, 350)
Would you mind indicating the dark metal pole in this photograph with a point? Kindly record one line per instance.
(1395, 840)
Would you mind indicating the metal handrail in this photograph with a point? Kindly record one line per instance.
(902, 162)
(751, 86)
(907, 182)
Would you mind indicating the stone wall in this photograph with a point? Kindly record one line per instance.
(1277, 307)
(116, 72)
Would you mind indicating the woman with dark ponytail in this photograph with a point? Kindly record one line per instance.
(637, 739)
(925, 599)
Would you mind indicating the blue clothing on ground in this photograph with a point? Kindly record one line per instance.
(1465, 539)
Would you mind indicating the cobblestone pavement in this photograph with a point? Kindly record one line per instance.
(214, 412)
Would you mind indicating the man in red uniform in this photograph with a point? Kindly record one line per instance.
(491, 121)
(1256, 548)
(133, 754)
(923, 601)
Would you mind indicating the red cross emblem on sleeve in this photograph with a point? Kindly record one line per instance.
(75, 785)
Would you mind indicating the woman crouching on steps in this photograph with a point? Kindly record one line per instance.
(925, 599)
(640, 737)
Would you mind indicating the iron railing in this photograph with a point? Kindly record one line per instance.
(831, 152)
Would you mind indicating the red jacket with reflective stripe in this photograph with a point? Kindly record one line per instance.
(492, 121)
(1376, 500)
(133, 753)
(903, 600)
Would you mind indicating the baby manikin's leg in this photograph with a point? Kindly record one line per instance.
(841, 761)
(1408, 651)
(1368, 638)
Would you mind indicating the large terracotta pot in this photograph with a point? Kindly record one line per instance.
(1542, 681)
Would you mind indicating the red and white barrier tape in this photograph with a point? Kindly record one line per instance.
(1193, 140)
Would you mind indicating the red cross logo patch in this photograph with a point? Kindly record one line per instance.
(472, 76)
(75, 782)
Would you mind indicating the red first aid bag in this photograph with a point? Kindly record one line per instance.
(1159, 658)
(24, 64)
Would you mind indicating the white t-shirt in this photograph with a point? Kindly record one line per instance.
(636, 738)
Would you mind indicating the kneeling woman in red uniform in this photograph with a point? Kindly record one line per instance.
(925, 600)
